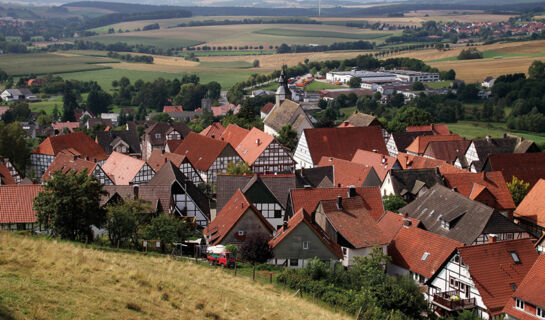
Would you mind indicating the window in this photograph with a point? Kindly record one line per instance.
(157, 136)
(305, 245)
(540, 312)
(278, 213)
(241, 232)
(515, 257)
(294, 262)
(457, 259)
(425, 256)
(520, 304)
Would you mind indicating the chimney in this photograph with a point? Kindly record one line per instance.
(383, 158)
(87, 158)
(339, 203)
(163, 151)
(94, 160)
(492, 238)
(373, 114)
(166, 160)
(75, 157)
(407, 222)
(257, 141)
(351, 191)
(135, 189)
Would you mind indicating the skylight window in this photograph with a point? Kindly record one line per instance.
(515, 257)
(514, 287)
(425, 256)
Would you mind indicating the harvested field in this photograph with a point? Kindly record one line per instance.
(44, 63)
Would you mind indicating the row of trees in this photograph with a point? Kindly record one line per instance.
(131, 58)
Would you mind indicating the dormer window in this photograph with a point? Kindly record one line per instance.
(520, 304)
(540, 313)
(157, 136)
(425, 256)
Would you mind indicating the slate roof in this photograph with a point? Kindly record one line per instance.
(421, 251)
(106, 138)
(493, 270)
(279, 185)
(5, 175)
(420, 144)
(532, 207)
(158, 158)
(308, 198)
(343, 143)
(200, 150)
(405, 181)
(487, 146)
(253, 145)
(226, 219)
(468, 219)
(318, 177)
(347, 173)
(213, 131)
(121, 168)
(382, 163)
(133, 125)
(359, 119)
(433, 128)
(390, 223)
(354, 222)
(16, 203)
(447, 150)
(529, 167)
(472, 185)
(233, 134)
(404, 139)
(65, 162)
(158, 196)
(77, 141)
(287, 113)
(298, 218)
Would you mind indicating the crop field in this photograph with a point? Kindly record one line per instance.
(473, 129)
(44, 63)
(143, 38)
(49, 279)
(317, 33)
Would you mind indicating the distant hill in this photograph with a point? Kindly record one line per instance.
(55, 280)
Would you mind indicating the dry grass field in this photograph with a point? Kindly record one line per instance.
(47, 280)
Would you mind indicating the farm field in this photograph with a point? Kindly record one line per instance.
(317, 33)
(66, 281)
(474, 129)
(44, 63)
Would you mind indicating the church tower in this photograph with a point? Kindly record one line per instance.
(283, 92)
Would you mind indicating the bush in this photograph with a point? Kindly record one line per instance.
(470, 53)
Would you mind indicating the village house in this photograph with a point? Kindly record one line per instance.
(380, 162)
(447, 213)
(360, 119)
(64, 127)
(447, 151)
(126, 170)
(233, 135)
(435, 129)
(11, 169)
(347, 173)
(77, 143)
(530, 213)
(236, 221)
(410, 183)
(540, 245)
(266, 109)
(488, 188)
(209, 156)
(482, 277)
(17, 210)
(342, 143)
(420, 254)
(65, 162)
(319, 177)
(159, 158)
(213, 131)
(287, 113)
(5, 175)
(157, 135)
(300, 239)
(18, 95)
(168, 109)
(348, 223)
(488, 82)
(528, 167)
(399, 141)
(79, 114)
(264, 154)
(528, 301)
(98, 124)
(390, 223)
(125, 142)
(419, 145)
(408, 161)
(268, 193)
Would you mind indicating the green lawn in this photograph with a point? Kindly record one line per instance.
(44, 63)
(316, 85)
(320, 34)
(438, 85)
(473, 129)
(47, 105)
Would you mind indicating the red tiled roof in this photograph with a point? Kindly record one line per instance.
(346, 173)
(253, 145)
(122, 168)
(529, 167)
(65, 162)
(532, 207)
(411, 245)
(5, 175)
(447, 150)
(308, 198)
(172, 145)
(435, 128)
(345, 124)
(382, 163)
(200, 150)
(226, 219)
(213, 131)
(168, 109)
(409, 161)
(531, 289)
(493, 270)
(158, 158)
(16, 203)
(233, 134)
(420, 144)
(222, 110)
(472, 184)
(78, 141)
(301, 216)
(343, 143)
(390, 223)
(267, 108)
(59, 126)
(354, 222)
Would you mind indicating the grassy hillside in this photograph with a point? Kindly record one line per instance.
(48, 280)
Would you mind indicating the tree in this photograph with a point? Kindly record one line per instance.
(161, 117)
(537, 70)
(322, 103)
(214, 90)
(13, 145)
(190, 96)
(409, 116)
(287, 137)
(518, 189)
(238, 168)
(233, 249)
(98, 101)
(69, 102)
(256, 63)
(393, 203)
(123, 220)
(470, 53)
(256, 249)
(354, 82)
(167, 229)
(70, 204)
(418, 86)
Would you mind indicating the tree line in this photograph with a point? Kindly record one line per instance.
(198, 23)
(131, 58)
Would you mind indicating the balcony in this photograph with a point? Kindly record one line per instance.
(449, 301)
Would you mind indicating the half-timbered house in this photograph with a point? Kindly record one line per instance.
(65, 162)
(17, 210)
(530, 213)
(528, 302)
(159, 158)
(157, 135)
(126, 170)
